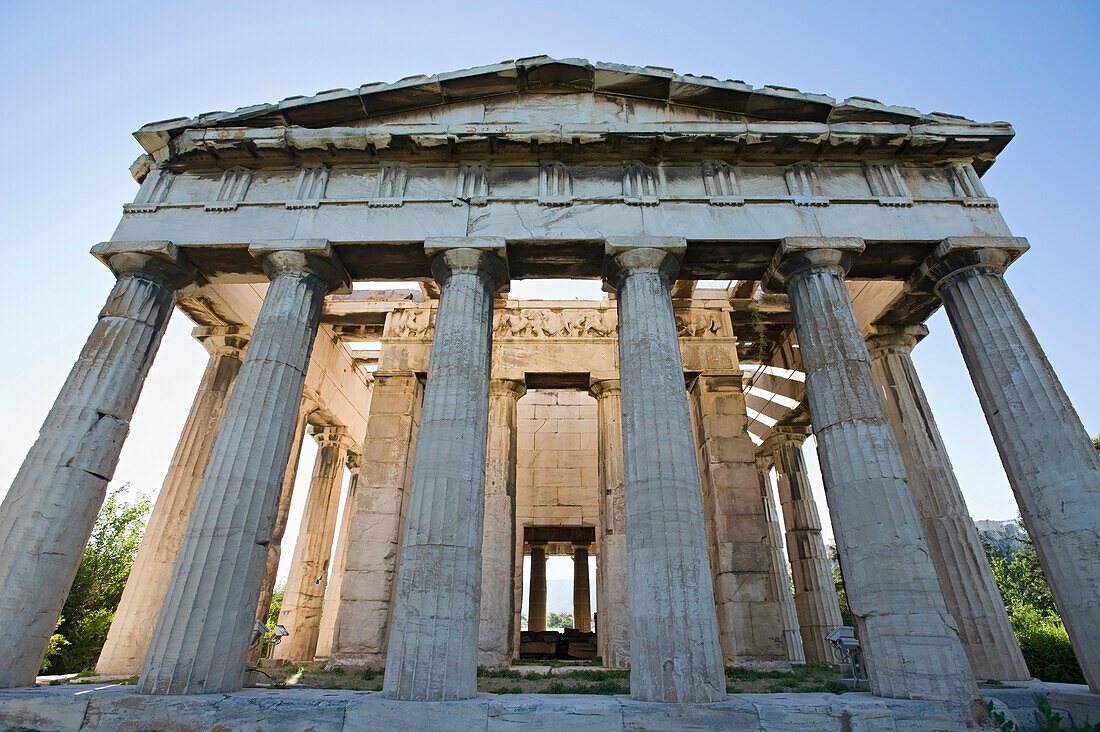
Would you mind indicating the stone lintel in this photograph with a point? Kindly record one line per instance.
(797, 253)
(156, 257)
(957, 254)
(493, 259)
(723, 380)
(313, 255)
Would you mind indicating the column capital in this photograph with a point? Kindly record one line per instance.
(487, 255)
(223, 340)
(582, 547)
(513, 388)
(157, 259)
(797, 254)
(625, 255)
(887, 339)
(331, 436)
(302, 256)
(354, 461)
(764, 460)
(957, 254)
(604, 388)
(786, 436)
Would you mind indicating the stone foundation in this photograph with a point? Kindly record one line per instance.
(121, 708)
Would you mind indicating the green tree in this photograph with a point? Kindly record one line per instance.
(100, 579)
(838, 585)
(1034, 616)
(1096, 443)
(559, 620)
(273, 617)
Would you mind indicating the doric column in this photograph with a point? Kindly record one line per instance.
(582, 597)
(282, 515)
(1051, 464)
(780, 578)
(909, 640)
(536, 602)
(132, 628)
(208, 617)
(433, 643)
(375, 519)
(612, 602)
(50, 509)
(961, 566)
(309, 569)
(675, 655)
(498, 546)
(336, 575)
(750, 615)
(815, 598)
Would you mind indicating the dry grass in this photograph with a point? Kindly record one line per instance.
(581, 680)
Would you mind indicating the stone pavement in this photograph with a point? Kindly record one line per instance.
(120, 708)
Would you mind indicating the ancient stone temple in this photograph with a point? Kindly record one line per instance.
(769, 259)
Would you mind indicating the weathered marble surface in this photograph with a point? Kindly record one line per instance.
(498, 549)
(307, 582)
(1050, 461)
(675, 654)
(814, 593)
(120, 709)
(965, 577)
(613, 597)
(375, 521)
(48, 513)
(206, 624)
(432, 654)
(136, 615)
(909, 640)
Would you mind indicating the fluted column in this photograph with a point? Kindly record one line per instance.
(50, 509)
(282, 515)
(207, 621)
(582, 597)
(376, 517)
(309, 569)
(674, 651)
(536, 601)
(909, 640)
(965, 577)
(132, 628)
(612, 602)
(433, 643)
(815, 598)
(779, 577)
(498, 547)
(1051, 464)
(336, 576)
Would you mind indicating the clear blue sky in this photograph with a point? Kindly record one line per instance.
(79, 77)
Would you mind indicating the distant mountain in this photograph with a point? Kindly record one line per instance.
(1007, 537)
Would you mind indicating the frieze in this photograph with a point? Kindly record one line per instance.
(553, 183)
(418, 323)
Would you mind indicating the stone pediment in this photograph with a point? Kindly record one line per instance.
(546, 101)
